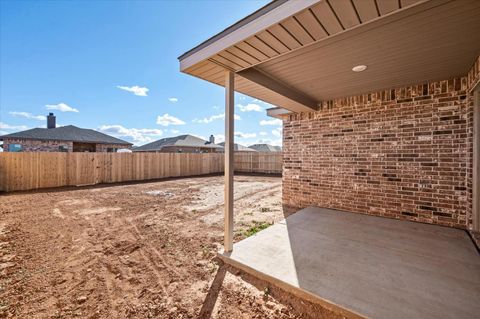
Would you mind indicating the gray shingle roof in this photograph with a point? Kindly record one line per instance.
(265, 148)
(182, 140)
(67, 133)
(239, 148)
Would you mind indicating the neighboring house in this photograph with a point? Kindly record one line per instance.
(380, 104)
(181, 144)
(239, 148)
(265, 148)
(61, 139)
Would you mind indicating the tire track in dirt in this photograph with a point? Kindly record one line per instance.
(121, 287)
(148, 256)
(153, 250)
(102, 262)
(237, 199)
(111, 290)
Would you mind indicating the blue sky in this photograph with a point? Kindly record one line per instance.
(112, 66)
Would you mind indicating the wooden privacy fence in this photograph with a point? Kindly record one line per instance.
(29, 170)
(262, 163)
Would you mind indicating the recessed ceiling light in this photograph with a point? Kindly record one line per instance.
(359, 68)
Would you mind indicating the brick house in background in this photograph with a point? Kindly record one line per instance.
(266, 148)
(181, 144)
(61, 139)
(240, 148)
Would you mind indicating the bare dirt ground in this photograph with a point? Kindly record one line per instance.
(131, 251)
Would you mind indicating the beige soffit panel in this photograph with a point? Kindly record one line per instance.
(428, 48)
(285, 29)
(285, 10)
(283, 26)
(306, 26)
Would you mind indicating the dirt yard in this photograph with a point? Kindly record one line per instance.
(131, 251)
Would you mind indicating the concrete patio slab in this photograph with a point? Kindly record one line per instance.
(366, 266)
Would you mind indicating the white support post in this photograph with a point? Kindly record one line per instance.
(229, 159)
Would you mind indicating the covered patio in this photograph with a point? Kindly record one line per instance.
(365, 266)
(380, 107)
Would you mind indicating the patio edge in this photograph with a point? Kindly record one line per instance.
(289, 289)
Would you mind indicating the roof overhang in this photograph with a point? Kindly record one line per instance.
(258, 21)
(296, 54)
(278, 112)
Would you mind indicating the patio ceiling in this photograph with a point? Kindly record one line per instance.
(295, 54)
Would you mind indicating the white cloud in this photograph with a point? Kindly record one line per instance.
(250, 107)
(62, 107)
(277, 132)
(271, 122)
(137, 90)
(212, 118)
(6, 126)
(28, 116)
(175, 131)
(245, 135)
(219, 138)
(173, 99)
(137, 135)
(166, 120)
(263, 133)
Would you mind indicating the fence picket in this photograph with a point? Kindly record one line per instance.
(25, 171)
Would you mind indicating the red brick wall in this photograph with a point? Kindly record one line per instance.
(53, 146)
(403, 153)
(37, 146)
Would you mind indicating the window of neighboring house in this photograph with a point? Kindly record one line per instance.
(62, 148)
(179, 150)
(14, 147)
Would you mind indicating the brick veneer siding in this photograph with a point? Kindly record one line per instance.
(403, 153)
(53, 146)
(37, 145)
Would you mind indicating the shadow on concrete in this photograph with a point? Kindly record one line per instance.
(289, 210)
